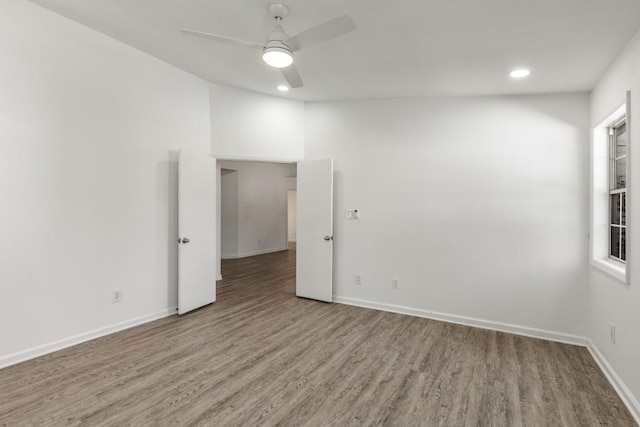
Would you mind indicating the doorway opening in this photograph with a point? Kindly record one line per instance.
(256, 215)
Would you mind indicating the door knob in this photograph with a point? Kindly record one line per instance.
(183, 240)
(327, 238)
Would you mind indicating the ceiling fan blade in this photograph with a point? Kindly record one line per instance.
(222, 39)
(321, 33)
(293, 77)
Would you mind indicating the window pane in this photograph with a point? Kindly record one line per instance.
(624, 209)
(614, 202)
(621, 140)
(623, 245)
(621, 173)
(615, 242)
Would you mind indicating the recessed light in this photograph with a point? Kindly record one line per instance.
(283, 88)
(520, 73)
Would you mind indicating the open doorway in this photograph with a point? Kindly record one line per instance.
(256, 213)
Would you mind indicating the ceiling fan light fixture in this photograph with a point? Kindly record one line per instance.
(277, 51)
(277, 57)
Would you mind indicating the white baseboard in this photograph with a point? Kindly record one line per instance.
(619, 386)
(467, 321)
(41, 350)
(248, 254)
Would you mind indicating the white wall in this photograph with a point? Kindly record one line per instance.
(262, 208)
(478, 205)
(229, 227)
(611, 301)
(88, 179)
(251, 126)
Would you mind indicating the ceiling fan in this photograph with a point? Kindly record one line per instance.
(278, 49)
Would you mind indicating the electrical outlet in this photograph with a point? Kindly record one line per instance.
(116, 295)
(395, 283)
(612, 333)
(358, 279)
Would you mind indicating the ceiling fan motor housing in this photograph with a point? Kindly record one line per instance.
(277, 45)
(276, 53)
(277, 37)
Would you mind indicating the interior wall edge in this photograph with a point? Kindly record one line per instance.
(616, 382)
(44, 349)
(526, 331)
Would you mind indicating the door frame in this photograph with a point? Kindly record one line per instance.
(217, 158)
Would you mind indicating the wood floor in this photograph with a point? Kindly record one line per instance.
(261, 356)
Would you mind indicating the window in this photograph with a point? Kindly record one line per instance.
(609, 193)
(618, 138)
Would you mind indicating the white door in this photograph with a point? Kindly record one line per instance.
(314, 247)
(196, 231)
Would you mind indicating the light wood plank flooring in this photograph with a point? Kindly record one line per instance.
(261, 356)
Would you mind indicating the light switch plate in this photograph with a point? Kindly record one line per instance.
(352, 214)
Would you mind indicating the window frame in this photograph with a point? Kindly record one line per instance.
(614, 190)
(600, 209)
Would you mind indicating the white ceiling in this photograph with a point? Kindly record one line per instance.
(400, 48)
